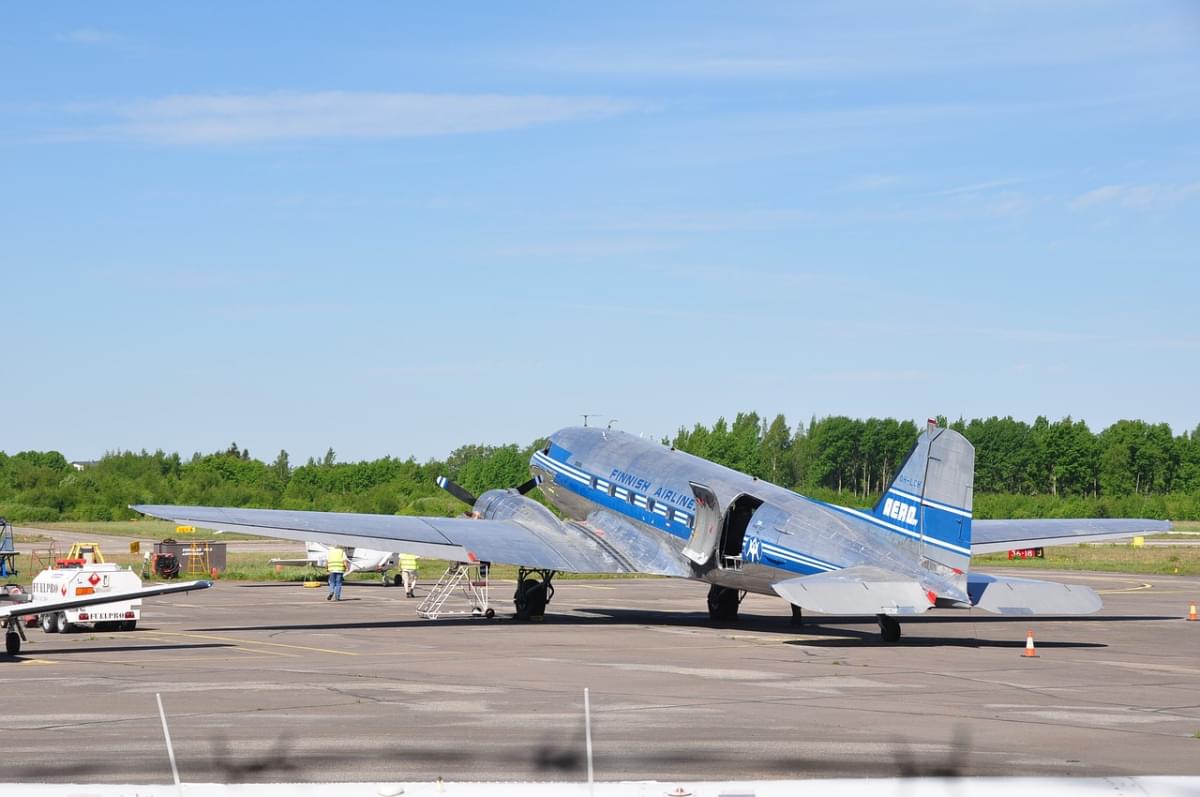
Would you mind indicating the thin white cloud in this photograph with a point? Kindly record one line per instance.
(1096, 196)
(600, 247)
(1135, 196)
(875, 182)
(90, 37)
(987, 41)
(1038, 337)
(884, 376)
(976, 188)
(715, 220)
(237, 118)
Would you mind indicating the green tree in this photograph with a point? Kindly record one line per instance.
(280, 467)
(775, 461)
(835, 447)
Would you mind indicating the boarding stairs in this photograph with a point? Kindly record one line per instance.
(467, 581)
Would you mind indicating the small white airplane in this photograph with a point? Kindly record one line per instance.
(11, 614)
(358, 560)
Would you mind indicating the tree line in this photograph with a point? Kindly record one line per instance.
(1044, 469)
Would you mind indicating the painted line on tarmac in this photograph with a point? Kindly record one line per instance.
(1138, 588)
(157, 636)
(239, 642)
(38, 661)
(1145, 589)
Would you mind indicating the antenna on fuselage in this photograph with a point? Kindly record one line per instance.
(587, 415)
(611, 422)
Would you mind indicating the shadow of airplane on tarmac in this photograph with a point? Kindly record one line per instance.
(33, 654)
(825, 626)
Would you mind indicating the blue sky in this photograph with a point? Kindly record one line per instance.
(396, 228)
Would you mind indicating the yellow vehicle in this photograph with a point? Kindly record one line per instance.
(81, 553)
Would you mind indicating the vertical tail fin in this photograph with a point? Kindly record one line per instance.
(932, 496)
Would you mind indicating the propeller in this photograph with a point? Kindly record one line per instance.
(529, 485)
(456, 491)
(464, 495)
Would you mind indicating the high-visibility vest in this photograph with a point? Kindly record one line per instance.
(335, 560)
(408, 561)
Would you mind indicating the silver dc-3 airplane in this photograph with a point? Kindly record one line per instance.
(635, 506)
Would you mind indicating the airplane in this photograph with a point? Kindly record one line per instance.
(358, 560)
(11, 614)
(637, 506)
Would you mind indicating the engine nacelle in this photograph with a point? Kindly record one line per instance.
(511, 505)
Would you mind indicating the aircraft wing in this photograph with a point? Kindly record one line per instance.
(991, 536)
(42, 607)
(568, 547)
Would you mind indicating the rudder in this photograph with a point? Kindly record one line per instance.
(932, 495)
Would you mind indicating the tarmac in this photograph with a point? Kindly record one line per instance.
(272, 683)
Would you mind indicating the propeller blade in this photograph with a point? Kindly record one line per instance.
(529, 485)
(456, 491)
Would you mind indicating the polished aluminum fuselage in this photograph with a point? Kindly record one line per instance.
(632, 487)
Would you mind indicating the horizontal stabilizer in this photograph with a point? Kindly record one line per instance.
(1023, 596)
(997, 536)
(45, 607)
(856, 590)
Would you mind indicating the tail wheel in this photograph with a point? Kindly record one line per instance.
(12, 643)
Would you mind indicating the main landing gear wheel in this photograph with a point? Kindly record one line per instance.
(723, 604)
(532, 594)
(397, 580)
(14, 634)
(889, 628)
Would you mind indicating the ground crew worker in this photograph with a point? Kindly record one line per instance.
(408, 573)
(335, 563)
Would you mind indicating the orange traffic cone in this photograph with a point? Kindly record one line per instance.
(1030, 650)
(1192, 613)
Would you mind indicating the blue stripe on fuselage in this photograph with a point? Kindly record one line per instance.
(602, 498)
(579, 481)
